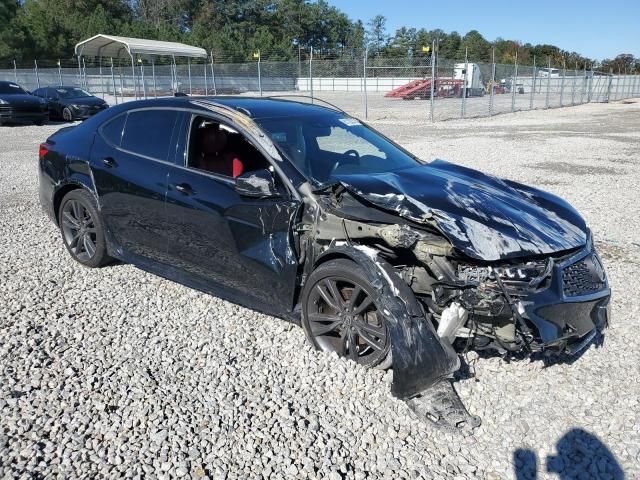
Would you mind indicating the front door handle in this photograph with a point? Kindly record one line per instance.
(109, 162)
(184, 188)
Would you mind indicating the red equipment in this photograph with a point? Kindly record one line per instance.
(416, 89)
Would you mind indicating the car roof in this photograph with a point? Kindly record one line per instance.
(257, 107)
(254, 107)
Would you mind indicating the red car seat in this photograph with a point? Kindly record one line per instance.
(214, 158)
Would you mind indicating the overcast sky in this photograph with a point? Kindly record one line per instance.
(595, 29)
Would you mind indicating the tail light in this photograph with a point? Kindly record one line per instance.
(44, 149)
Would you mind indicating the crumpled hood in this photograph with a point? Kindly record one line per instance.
(484, 217)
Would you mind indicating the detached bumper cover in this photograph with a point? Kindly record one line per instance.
(420, 357)
(576, 304)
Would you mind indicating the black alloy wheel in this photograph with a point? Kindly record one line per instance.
(340, 315)
(82, 230)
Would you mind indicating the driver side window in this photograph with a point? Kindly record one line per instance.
(218, 148)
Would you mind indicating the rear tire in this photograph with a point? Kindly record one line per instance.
(82, 229)
(339, 314)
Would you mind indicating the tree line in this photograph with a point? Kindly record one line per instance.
(233, 30)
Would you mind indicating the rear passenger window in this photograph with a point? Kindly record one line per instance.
(112, 130)
(148, 132)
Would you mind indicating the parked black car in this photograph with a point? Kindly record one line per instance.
(306, 213)
(18, 106)
(71, 103)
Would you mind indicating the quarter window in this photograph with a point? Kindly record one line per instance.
(148, 132)
(112, 130)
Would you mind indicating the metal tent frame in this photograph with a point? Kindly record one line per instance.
(111, 46)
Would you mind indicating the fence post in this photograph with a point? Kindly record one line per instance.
(189, 72)
(144, 87)
(546, 103)
(153, 74)
(206, 86)
(514, 82)
(84, 74)
(533, 87)
(433, 80)
(60, 73)
(573, 89)
(364, 76)
(609, 85)
(213, 75)
(464, 86)
(101, 79)
(311, 73)
(121, 80)
(174, 68)
(564, 74)
(493, 79)
(589, 81)
(113, 82)
(15, 71)
(133, 78)
(35, 62)
(259, 74)
(79, 72)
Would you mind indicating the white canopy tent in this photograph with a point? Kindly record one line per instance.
(111, 46)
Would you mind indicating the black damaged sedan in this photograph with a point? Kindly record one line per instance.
(19, 106)
(306, 213)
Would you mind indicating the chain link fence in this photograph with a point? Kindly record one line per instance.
(420, 88)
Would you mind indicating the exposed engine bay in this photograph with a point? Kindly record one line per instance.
(552, 303)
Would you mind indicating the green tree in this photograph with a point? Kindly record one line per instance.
(478, 48)
(376, 36)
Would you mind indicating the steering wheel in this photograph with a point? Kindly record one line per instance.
(350, 156)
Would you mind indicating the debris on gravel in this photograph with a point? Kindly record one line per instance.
(115, 372)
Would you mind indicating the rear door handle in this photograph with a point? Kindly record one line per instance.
(109, 162)
(184, 188)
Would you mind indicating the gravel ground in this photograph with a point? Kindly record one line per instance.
(116, 372)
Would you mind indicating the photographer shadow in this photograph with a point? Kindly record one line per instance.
(580, 455)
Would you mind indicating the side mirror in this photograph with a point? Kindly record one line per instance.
(257, 184)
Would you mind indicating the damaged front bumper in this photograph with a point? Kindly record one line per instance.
(574, 307)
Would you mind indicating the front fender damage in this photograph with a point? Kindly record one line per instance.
(422, 363)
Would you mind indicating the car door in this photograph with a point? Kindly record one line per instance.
(130, 166)
(53, 97)
(237, 246)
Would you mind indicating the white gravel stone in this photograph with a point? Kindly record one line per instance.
(115, 372)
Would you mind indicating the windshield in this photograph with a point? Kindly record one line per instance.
(72, 93)
(326, 146)
(9, 88)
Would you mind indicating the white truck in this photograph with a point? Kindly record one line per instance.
(474, 84)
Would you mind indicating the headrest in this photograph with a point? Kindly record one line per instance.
(212, 140)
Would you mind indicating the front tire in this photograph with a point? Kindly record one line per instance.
(339, 314)
(67, 115)
(82, 229)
